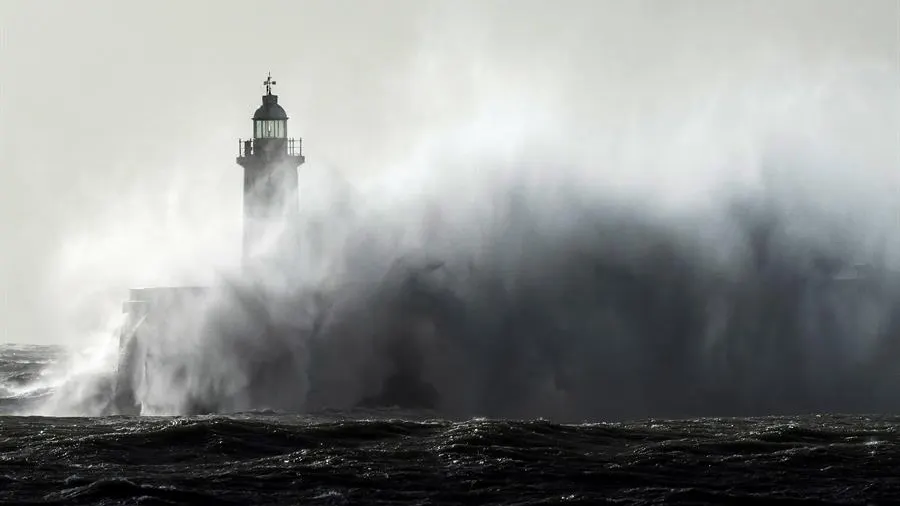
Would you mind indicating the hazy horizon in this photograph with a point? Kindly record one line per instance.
(119, 121)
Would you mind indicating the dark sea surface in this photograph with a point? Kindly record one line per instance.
(404, 457)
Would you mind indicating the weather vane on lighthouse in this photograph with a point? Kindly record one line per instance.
(269, 83)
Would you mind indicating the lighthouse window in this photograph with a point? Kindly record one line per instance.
(270, 129)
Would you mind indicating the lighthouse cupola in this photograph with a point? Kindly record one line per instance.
(270, 120)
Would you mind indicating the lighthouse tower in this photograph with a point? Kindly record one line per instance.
(270, 161)
(156, 315)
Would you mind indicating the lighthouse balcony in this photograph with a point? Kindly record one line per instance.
(247, 147)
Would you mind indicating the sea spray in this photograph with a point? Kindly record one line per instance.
(80, 384)
(677, 267)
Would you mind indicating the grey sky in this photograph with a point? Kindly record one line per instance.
(119, 119)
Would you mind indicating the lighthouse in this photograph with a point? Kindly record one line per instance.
(270, 160)
(156, 315)
(177, 352)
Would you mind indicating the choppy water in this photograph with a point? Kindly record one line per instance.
(402, 457)
(23, 370)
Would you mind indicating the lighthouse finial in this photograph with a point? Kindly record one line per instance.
(269, 83)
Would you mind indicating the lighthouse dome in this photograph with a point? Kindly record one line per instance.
(270, 109)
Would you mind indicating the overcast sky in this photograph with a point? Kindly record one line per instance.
(119, 119)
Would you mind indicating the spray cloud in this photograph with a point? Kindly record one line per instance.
(574, 245)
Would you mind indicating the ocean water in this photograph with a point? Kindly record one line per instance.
(388, 456)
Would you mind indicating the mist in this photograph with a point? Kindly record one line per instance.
(608, 209)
